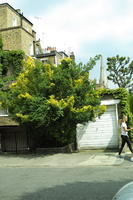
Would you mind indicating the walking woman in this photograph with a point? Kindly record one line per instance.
(124, 135)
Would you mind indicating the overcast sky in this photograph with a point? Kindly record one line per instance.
(87, 27)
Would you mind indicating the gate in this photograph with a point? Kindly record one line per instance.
(13, 139)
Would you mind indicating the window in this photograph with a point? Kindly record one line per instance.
(56, 61)
(31, 49)
(44, 60)
(14, 21)
(27, 29)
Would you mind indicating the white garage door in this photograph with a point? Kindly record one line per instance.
(103, 133)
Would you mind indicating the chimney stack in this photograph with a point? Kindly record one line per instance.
(72, 56)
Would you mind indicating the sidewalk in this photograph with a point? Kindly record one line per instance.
(80, 159)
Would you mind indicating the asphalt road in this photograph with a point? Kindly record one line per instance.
(86, 183)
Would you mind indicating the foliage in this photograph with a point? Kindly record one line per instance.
(11, 62)
(125, 105)
(1, 43)
(54, 99)
(131, 102)
(10, 66)
(120, 71)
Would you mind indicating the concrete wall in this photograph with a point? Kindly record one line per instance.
(12, 16)
(18, 35)
(26, 41)
(16, 39)
(27, 26)
(11, 39)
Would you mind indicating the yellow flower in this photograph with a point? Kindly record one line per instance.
(1, 104)
(20, 115)
(67, 59)
(25, 96)
(78, 81)
(49, 71)
(13, 84)
(30, 61)
(61, 103)
(81, 110)
(53, 101)
(71, 101)
(52, 84)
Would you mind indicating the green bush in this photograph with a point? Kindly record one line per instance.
(52, 100)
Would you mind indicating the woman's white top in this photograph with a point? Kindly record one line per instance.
(123, 132)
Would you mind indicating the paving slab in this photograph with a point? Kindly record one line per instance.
(103, 160)
(80, 159)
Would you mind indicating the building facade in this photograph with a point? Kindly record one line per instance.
(16, 30)
(52, 56)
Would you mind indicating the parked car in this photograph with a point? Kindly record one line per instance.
(125, 193)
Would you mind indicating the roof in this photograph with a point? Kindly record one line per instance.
(21, 15)
(52, 53)
(43, 55)
(62, 52)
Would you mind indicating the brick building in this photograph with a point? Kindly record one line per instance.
(17, 31)
(51, 55)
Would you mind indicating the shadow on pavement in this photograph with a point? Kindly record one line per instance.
(77, 191)
(25, 155)
(127, 158)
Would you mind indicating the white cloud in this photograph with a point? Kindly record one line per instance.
(76, 22)
(73, 23)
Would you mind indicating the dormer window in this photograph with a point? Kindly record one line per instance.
(14, 21)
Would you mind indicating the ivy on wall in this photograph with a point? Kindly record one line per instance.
(1, 43)
(11, 62)
(125, 105)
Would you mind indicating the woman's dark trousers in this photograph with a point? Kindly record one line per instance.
(125, 139)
